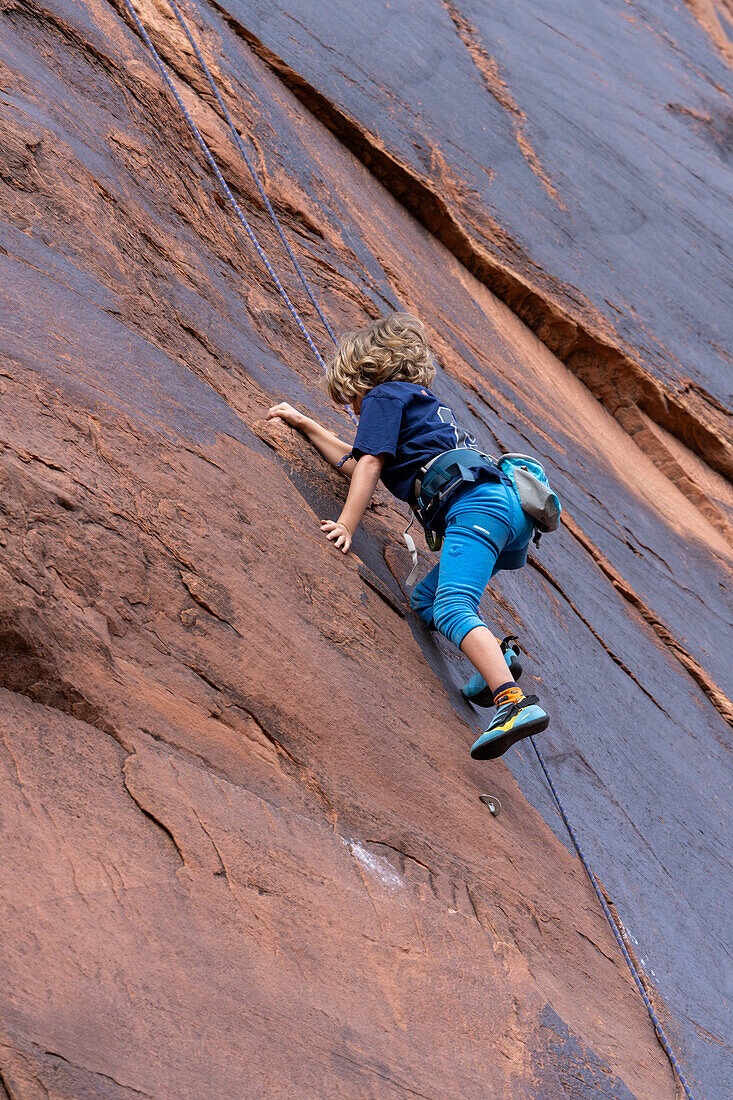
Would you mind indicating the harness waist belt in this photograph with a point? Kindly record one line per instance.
(439, 479)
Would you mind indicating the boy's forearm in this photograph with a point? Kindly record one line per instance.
(329, 445)
(363, 483)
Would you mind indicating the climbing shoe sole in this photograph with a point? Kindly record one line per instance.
(490, 747)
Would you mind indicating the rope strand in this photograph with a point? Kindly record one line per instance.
(253, 171)
(227, 191)
(614, 928)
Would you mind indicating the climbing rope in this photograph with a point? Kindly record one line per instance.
(253, 171)
(227, 191)
(301, 325)
(614, 928)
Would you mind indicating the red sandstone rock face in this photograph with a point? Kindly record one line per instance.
(243, 849)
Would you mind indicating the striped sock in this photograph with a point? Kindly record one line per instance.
(508, 693)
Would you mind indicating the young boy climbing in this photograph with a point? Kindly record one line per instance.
(411, 441)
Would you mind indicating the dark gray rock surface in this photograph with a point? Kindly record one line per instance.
(584, 148)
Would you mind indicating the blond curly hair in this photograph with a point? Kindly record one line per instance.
(390, 349)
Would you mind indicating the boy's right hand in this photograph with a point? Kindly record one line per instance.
(287, 413)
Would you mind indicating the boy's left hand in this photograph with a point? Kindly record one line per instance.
(338, 533)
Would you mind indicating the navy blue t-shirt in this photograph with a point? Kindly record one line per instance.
(409, 426)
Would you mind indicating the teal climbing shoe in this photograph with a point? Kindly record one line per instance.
(477, 691)
(511, 723)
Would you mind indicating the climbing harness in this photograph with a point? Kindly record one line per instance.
(441, 478)
(443, 487)
(227, 190)
(436, 483)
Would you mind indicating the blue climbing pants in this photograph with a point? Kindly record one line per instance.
(485, 531)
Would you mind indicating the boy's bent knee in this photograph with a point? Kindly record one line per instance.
(455, 617)
(421, 603)
(419, 597)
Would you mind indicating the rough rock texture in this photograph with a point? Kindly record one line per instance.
(242, 845)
